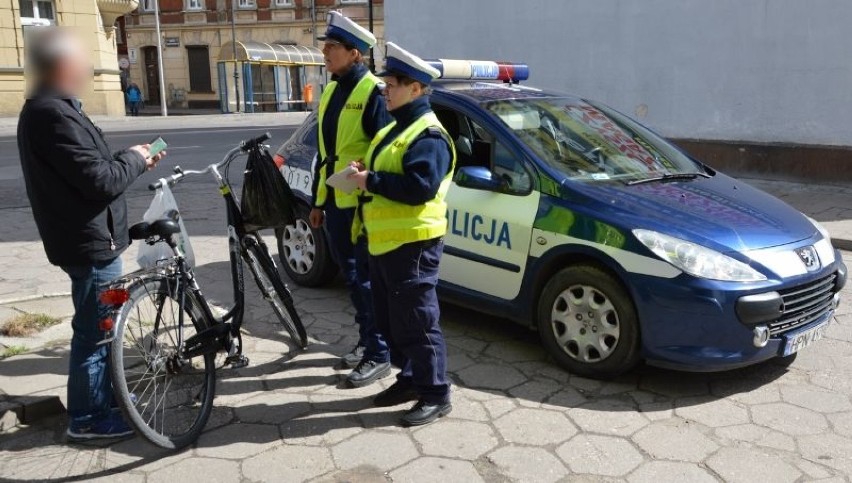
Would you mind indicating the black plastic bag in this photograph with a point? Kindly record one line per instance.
(267, 201)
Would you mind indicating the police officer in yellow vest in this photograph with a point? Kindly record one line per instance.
(351, 112)
(405, 175)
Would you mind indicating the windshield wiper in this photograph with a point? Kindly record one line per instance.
(668, 177)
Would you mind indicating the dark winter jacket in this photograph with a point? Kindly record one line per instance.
(74, 183)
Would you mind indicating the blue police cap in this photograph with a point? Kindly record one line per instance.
(343, 30)
(399, 61)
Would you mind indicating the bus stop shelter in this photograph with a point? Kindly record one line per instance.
(270, 77)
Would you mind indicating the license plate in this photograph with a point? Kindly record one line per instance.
(298, 179)
(798, 341)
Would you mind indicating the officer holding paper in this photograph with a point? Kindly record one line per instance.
(351, 112)
(405, 175)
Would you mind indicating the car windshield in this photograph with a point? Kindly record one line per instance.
(590, 142)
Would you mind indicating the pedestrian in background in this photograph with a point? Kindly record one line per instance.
(134, 99)
(351, 112)
(406, 174)
(76, 189)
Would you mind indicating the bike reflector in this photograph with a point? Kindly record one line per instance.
(106, 324)
(480, 70)
(114, 296)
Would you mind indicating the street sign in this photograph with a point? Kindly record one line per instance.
(172, 41)
(132, 55)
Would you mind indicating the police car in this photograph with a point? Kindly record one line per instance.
(571, 218)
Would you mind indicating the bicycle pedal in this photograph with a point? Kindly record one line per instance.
(237, 362)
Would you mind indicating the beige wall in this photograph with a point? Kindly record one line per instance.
(104, 95)
(176, 69)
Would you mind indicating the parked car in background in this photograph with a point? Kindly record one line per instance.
(577, 221)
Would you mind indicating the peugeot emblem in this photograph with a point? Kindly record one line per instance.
(809, 257)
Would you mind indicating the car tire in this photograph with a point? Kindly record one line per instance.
(304, 253)
(588, 323)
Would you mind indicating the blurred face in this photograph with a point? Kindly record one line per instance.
(74, 70)
(398, 94)
(339, 59)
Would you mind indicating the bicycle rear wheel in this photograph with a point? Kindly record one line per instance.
(167, 400)
(269, 281)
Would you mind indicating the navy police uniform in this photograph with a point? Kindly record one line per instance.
(347, 92)
(403, 213)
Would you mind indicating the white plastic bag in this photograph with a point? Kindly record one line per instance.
(149, 255)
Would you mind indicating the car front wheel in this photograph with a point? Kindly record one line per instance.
(304, 253)
(588, 323)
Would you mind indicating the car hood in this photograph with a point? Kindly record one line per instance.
(719, 212)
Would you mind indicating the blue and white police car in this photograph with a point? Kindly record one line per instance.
(571, 218)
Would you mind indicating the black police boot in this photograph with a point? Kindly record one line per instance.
(424, 413)
(353, 358)
(368, 372)
(395, 395)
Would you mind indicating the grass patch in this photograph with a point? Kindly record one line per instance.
(25, 325)
(13, 351)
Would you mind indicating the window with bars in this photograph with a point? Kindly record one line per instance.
(246, 4)
(194, 4)
(147, 5)
(283, 3)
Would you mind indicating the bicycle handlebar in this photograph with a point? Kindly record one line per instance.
(243, 147)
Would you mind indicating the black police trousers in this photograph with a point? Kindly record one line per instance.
(407, 313)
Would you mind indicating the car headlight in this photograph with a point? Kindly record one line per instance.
(821, 229)
(697, 260)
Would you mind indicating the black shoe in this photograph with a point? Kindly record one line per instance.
(395, 395)
(368, 372)
(424, 413)
(353, 358)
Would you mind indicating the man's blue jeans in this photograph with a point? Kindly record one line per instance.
(352, 260)
(89, 386)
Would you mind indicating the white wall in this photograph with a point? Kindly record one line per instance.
(752, 70)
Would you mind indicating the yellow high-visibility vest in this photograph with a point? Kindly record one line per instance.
(389, 224)
(351, 140)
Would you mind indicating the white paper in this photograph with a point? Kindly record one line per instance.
(341, 181)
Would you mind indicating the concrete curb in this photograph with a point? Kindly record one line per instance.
(9, 125)
(30, 298)
(842, 244)
(18, 410)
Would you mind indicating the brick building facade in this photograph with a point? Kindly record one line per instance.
(94, 19)
(194, 33)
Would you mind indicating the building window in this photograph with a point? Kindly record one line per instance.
(246, 4)
(37, 12)
(198, 58)
(147, 5)
(283, 3)
(194, 4)
(352, 1)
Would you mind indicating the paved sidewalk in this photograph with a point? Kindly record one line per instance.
(9, 125)
(517, 417)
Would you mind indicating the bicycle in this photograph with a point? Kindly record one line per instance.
(163, 369)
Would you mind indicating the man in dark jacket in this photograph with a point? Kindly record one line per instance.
(76, 189)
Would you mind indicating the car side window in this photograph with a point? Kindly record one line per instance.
(476, 146)
(506, 165)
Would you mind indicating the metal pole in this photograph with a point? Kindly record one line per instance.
(234, 43)
(164, 110)
(370, 14)
(314, 21)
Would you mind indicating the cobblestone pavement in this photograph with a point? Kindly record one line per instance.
(517, 417)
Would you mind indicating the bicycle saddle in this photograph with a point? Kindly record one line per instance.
(162, 228)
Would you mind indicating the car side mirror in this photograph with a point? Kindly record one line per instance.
(479, 178)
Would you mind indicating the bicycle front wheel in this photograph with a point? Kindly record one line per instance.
(269, 281)
(167, 399)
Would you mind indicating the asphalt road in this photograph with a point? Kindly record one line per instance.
(188, 148)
